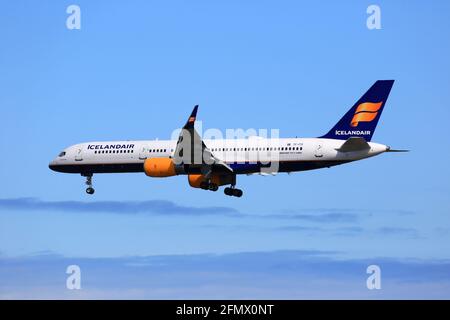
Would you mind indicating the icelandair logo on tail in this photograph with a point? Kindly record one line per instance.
(365, 112)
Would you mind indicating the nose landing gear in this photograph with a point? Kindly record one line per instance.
(89, 189)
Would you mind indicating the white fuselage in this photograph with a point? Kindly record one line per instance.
(243, 155)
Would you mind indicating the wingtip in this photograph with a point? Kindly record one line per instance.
(194, 111)
(192, 117)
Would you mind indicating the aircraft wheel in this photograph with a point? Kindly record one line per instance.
(213, 187)
(228, 191)
(237, 193)
(90, 190)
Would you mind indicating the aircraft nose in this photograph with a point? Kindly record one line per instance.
(52, 165)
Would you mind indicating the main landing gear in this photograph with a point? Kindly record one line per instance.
(209, 186)
(229, 191)
(89, 189)
(233, 192)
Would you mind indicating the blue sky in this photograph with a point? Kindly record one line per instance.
(135, 70)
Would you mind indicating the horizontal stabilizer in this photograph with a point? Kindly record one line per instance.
(354, 144)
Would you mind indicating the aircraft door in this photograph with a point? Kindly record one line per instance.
(143, 153)
(319, 151)
(79, 154)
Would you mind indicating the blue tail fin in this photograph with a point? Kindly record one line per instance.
(361, 120)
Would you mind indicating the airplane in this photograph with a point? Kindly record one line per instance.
(210, 164)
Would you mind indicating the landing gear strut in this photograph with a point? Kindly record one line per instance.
(89, 189)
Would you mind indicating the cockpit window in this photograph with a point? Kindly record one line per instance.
(62, 154)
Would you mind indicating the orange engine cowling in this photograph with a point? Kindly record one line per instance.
(159, 167)
(196, 179)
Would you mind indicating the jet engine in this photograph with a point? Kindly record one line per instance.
(159, 167)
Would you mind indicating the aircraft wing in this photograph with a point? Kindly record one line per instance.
(192, 152)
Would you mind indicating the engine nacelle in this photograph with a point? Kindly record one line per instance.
(195, 180)
(159, 167)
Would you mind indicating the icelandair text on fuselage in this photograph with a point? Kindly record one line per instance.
(352, 133)
(109, 146)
